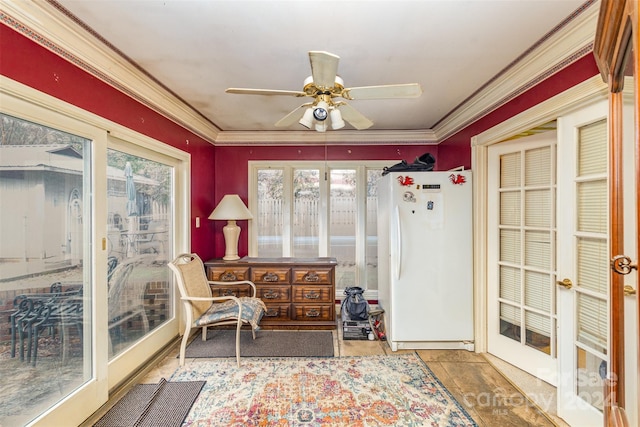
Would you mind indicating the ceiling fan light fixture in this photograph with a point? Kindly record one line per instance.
(321, 126)
(307, 118)
(336, 119)
(321, 111)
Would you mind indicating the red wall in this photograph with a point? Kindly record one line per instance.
(27, 62)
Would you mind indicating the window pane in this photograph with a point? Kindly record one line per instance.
(538, 331)
(371, 261)
(537, 290)
(342, 225)
(510, 170)
(269, 220)
(592, 149)
(537, 161)
(510, 208)
(593, 206)
(538, 208)
(591, 372)
(538, 249)
(45, 267)
(306, 194)
(510, 321)
(510, 246)
(510, 286)
(593, 267)
(139, 195)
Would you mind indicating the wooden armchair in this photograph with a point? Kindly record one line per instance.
(203, 310)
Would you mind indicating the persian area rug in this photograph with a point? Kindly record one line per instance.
(165, 404)
(342, 391)
(268, 343)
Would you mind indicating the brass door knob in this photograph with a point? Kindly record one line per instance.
(565, 283)
(629, 290)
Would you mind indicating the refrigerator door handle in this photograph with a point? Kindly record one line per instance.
(399, 243)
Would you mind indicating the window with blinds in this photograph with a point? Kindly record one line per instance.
(591, 237)
(527, 247)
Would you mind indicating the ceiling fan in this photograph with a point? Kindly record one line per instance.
(325, 87)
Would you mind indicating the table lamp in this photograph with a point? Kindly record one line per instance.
(231, 208)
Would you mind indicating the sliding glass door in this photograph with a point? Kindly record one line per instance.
(140, 228)
(45, 267)
(88, 221)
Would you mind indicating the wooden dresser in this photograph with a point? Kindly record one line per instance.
(299, 292)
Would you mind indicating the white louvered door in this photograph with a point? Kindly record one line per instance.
(583, 268)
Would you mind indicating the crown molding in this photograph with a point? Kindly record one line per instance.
(47, 24)
(581, 95)
(347, 137)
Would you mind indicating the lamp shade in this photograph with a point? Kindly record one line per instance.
(231, 207)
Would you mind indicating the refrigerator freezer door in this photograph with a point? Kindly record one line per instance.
(430, 296)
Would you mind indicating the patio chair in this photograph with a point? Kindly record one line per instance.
(42, 311)
(203, 310)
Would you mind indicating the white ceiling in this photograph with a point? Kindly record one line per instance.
(198, 48)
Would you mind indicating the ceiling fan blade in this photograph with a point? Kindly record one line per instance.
(244, 91)
(409, 90)
(354, 117)
(324, 67)
(293, 116)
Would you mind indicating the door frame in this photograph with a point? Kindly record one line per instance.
(616, 52)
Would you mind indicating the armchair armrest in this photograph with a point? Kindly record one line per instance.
(239, 282)
(228, 297)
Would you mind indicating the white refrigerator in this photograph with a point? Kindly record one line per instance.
(425, 266)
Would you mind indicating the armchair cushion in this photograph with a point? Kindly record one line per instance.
(252, 311)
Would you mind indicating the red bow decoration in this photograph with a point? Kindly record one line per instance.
(457, 179)
(405, 180)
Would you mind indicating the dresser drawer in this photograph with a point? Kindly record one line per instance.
(277, 312)
(313, 276)
(299, 292)
(228, 274)
(270, 275)
(313, 312)
(231, 290)
(312, 294)
(274, 293)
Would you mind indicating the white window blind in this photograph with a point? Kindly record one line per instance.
(592, 251)
(527, 196)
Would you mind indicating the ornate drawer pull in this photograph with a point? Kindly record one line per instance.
(229, 293)
(272, 312)
(312, 313)
(311, 276)
(228, 276)
(269, 294)
(312, 295)
(270, 277)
